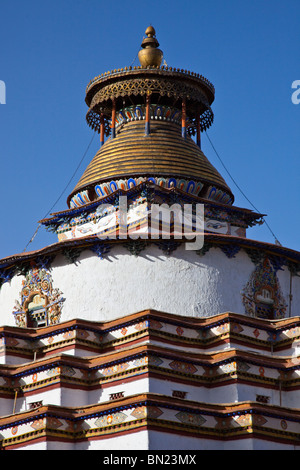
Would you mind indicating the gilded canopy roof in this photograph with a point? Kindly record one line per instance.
(163, 153)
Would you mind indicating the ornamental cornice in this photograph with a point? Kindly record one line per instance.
(190, 336)
(129, 73)
(16, 264)
(126, 415)
(142, 86)
(165, 84)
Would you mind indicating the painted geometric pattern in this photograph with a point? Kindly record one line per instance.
(39, 423)
(130, 364)
(236, 328)
(142, 325)
(53, 371)
(243, 420)
(223, 422)
(191, 419)
(155, 361)
(154, 412)
(114, 369)
(234, 366)
(218, 423)
(110, 420)
(259, 420)
(141, 362)
(139, 412)
(243, 366)
(54, 422)
(183, 367)
(228, 368)
(143, 411)
(153, 324)
(98, 339)
(148, 360)
(66, 370)
(82, 334)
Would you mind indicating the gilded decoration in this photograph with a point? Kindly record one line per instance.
(262, 296)
(141, 86)
(150, 54)
(40, 303)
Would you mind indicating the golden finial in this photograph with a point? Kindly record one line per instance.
(150, 54)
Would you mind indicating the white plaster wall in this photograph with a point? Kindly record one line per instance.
(155, 440)
(50, 445)
(52, 397)
(162, 441)
(129, 388)
(131, 441)
(182, 283)
(231, 393)
(286, 283)
(36, 446)
(57, 396)
(9, 293)
(121, 284)
(6, 406)
(200, 394)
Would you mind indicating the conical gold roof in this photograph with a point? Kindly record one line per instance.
(162, 153)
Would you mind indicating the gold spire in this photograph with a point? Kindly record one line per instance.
(150, 54)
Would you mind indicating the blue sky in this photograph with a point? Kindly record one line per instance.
(248, 49)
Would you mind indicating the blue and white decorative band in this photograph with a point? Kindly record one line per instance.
(138, 113)
(188, 186)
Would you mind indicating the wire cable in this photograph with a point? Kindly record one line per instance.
(64, 190)
(242, 192)
(134, 59)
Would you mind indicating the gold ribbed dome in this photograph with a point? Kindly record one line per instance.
(162, 153)
(148, 114)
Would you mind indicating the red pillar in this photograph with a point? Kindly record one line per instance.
(147, 123)
(101, 130)
(113, 119)
(183, 119)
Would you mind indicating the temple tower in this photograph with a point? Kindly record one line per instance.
(153, 322)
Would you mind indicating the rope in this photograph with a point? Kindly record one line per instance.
(134, 59)
(58, 199)
(242, 192)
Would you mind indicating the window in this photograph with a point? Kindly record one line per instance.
(37, 312)
(264, 303)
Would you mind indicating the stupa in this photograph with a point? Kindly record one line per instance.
(153, 322)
